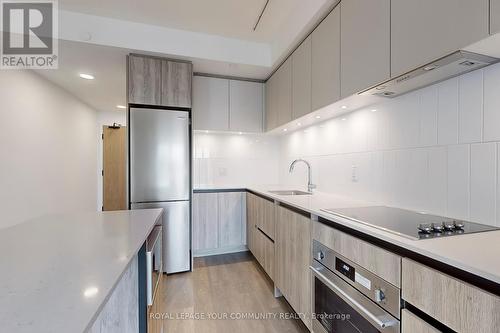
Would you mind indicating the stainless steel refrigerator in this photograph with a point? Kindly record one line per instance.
(160, 169)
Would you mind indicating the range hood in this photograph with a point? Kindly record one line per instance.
(454, 64)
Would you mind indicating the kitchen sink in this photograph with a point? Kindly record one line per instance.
(290, 192)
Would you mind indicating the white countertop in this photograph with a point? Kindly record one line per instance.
(47, 264)
(475, 253)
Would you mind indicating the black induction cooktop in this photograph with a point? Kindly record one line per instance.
(410, 224)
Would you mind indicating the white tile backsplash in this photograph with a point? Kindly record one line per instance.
(491, 123)
(483, 182)
(458, 197)
(470, 111)
(427, 150)
(448, 112)
(234, 160)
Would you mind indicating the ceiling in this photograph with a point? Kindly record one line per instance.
(108, 66)
(283, 24)
(230, 18)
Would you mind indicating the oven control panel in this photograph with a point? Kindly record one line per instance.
(374, 287)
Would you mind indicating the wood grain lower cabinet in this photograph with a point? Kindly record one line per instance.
(410, 323)
(232, 231)
(292, 259)
(205, 221)
(377, 260)
(458, 305)
(262, 214)
(219, 223)
(260, 231)
(264, 252)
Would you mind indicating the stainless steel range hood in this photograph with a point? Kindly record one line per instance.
(454, 64)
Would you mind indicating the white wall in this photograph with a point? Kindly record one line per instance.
(47, 147)
(105, 118)
(234, 160)
(434, 150)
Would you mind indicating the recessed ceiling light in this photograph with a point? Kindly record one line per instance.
(318, 117)
(344, 119)
(284, 129)
(344, 107)
(86, 76)
(374, 110)
(240, 133)
(121, 106)
(90, 292)
(298, 124)
(206, 131)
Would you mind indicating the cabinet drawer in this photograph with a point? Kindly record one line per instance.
(262, 214)
(264, 252)
(458, 305)
(411, 324)
(377, 260)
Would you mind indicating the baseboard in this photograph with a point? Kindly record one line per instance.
(224, 250)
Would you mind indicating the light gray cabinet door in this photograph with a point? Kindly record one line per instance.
(176, 83)
(271, 110)
(231, 219)
(210, 103)
(424, 30)
(284, 92)
(144, 80)
(301, 79)
(494, 16)
(245, 106)
(326, 61)
(365, 44)
(205, 221)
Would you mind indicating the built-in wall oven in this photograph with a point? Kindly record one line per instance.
(348, 298)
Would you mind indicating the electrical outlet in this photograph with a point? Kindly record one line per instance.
(222, 172)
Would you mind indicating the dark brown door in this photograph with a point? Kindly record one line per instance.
(114, 168)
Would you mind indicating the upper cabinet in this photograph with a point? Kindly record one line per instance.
(301, 79)
(494, 16)
(144, 80)
(221, 104)
(279, 96)
(160, 82)
(365, 44)
(284, 92)
(210, 103)
(422, 31)
(326, 61)
(176, 83)
(271, 104)
(246, 100)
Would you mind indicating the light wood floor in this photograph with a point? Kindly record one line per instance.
(220, 285)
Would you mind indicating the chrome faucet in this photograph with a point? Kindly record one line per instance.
(310, 185)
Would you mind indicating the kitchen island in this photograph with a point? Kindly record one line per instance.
(63, 273)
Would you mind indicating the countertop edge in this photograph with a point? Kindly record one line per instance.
(106, 299)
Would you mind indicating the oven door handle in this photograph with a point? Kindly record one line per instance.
(380, 321)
